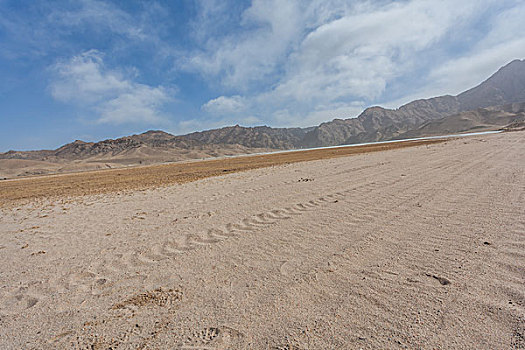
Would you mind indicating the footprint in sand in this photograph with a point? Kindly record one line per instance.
(214, 338)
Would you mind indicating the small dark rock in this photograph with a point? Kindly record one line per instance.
(442, 280)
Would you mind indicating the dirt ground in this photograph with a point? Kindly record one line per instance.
(407, 248)
(114, 180)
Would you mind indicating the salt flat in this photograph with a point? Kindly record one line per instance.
(418, 248)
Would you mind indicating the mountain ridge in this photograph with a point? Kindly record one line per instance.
(506, 86)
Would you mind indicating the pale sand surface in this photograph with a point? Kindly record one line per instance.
(418, 248)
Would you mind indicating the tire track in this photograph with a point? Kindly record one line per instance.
(193, 241)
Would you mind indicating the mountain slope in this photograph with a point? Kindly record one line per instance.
(506, 86)
(377, 123)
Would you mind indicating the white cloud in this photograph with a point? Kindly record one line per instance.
(291, 118)
(190, 125)
(225, 105)
(250, 120)
(357, 55)
(139, 104)
(83, 79)
(460, 74)
(320, 43)
(268, 30)
(100, 16)
(116, 99)
(211, 16)
(288, 60)
(50, 28)
(504, 42)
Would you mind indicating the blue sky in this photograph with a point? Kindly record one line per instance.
(90, 69)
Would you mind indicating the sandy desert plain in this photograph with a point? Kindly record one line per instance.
(385, 247)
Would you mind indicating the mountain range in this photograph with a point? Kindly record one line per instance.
(493, 104)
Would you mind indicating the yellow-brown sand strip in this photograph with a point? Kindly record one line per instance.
(140, 178)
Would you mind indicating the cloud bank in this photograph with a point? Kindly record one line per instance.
(311, 60)
(114, 98)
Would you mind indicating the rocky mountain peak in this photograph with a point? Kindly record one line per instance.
(505, 86)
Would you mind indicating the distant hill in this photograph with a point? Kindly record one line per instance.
(260, 136)
(82, 150)
(495, 103)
